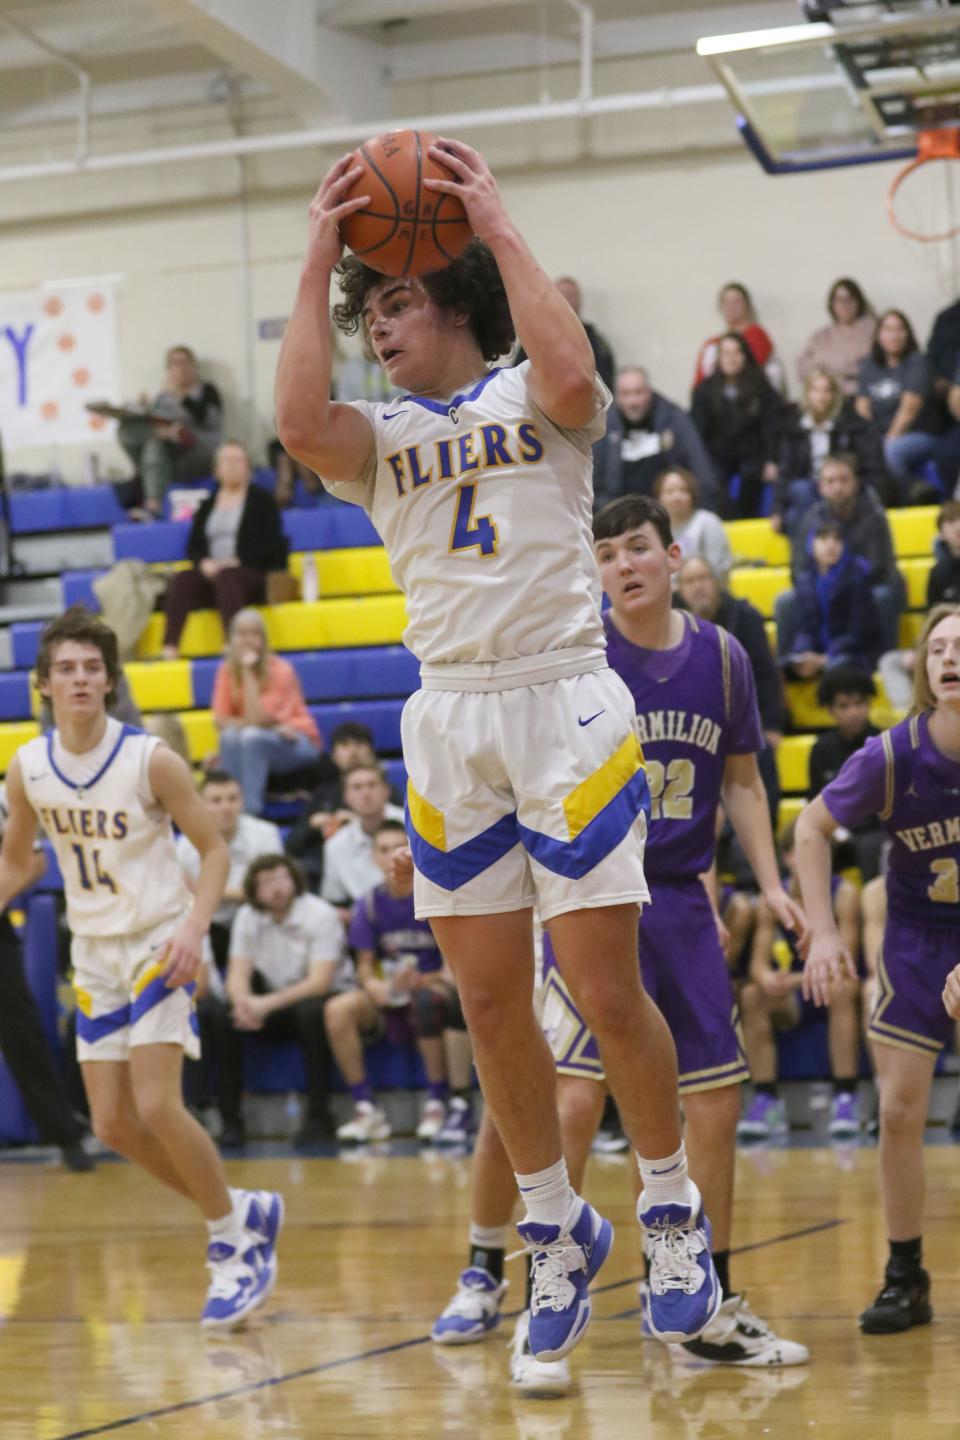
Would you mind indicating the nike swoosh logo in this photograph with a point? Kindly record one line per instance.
(590, 719)
(393, 415)
(40, 776)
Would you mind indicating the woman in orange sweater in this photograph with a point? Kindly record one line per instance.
(265, 726)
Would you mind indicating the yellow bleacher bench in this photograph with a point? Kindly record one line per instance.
(915, 573)
(323, 625)
(793, 763)
(914, 530)
(755, 541)
(760, 586)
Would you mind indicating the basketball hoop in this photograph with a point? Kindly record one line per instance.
(931, 145)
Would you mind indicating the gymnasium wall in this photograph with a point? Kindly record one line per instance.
(650, 235)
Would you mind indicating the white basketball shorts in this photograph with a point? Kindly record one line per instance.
(534, 794)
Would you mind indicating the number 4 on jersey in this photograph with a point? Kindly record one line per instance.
(471, 532)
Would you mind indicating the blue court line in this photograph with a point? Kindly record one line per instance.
(374, 1354)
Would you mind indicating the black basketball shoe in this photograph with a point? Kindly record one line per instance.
(903, 1302)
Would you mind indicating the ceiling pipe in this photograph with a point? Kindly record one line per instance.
(341, 135)
(77, 71)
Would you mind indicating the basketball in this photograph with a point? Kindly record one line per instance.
(406, 229)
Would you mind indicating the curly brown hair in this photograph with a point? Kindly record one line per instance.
(472, 283)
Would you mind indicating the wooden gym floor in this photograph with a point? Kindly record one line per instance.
(102, 1278)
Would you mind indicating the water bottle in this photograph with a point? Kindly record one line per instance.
(310, 582)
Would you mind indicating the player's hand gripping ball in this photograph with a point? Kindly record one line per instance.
(406, 229)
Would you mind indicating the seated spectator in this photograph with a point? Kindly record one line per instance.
(700, 591)
(698, 532)
(287, 958)
(349, 869)
(350, 744)
(834, 618)
(943, 585)
(739, 416)
(840, 346)
(403, 984)
(866, 531)
(247, 839)
(181, 447)
(895, 397)
(259, 709)
(825, 424)
(602, 353)
(846, 692)
(943, 349)
(235, 539)
(168, 728)
(771, 1001)
(646, 433)
(739, 318)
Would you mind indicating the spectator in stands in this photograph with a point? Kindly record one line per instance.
(696, 531)
(740, 417)
(247, 838)
(700, 591)
(943, 349)
(824, 424)
(296, 483)
(948, 446)
(771, 1001)
(350, 744)
(739, 318)
(846, 692)
(236, 537)
(834, 618)
(602, 352)
(403, 983)
(866, 531)
(287, 958)
(349, 869)
(169, 728)
(181, 447)
(259, 709)
(840, 346)
(943, 585)
(646, 433)
(895, 397)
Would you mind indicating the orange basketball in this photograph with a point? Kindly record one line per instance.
(406, 229)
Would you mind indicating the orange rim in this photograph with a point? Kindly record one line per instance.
(932, 145)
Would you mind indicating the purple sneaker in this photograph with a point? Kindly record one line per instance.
(563, 1266)
(845, 1115)
(766, 1118)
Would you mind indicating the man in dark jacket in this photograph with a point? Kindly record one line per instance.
(699, 591)
(602, 353)
(866, 532)
(647, 434)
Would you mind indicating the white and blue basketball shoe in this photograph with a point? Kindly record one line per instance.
(564, 1263)
(238, 1283)
(263, 1216)
(474, 1310)
(685, 1293)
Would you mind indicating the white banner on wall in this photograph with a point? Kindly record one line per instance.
(58, 350)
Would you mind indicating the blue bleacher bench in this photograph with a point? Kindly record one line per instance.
(72, 507)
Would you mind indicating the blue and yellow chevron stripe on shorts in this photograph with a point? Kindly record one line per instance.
(598, 815)
(599, 812)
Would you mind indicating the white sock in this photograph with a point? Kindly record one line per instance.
(665, 1182)
(229, 1228)
(549, 1196)
(488, 1237)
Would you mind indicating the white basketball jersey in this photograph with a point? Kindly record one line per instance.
(114, 844)
(485, 508)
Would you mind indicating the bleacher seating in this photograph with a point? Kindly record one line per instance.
(347, 652)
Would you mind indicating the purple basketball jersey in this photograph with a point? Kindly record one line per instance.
(696, 704)
(903, 778)
(387, 926)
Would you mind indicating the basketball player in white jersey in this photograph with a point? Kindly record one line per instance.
(526, 777)
(105, 794)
